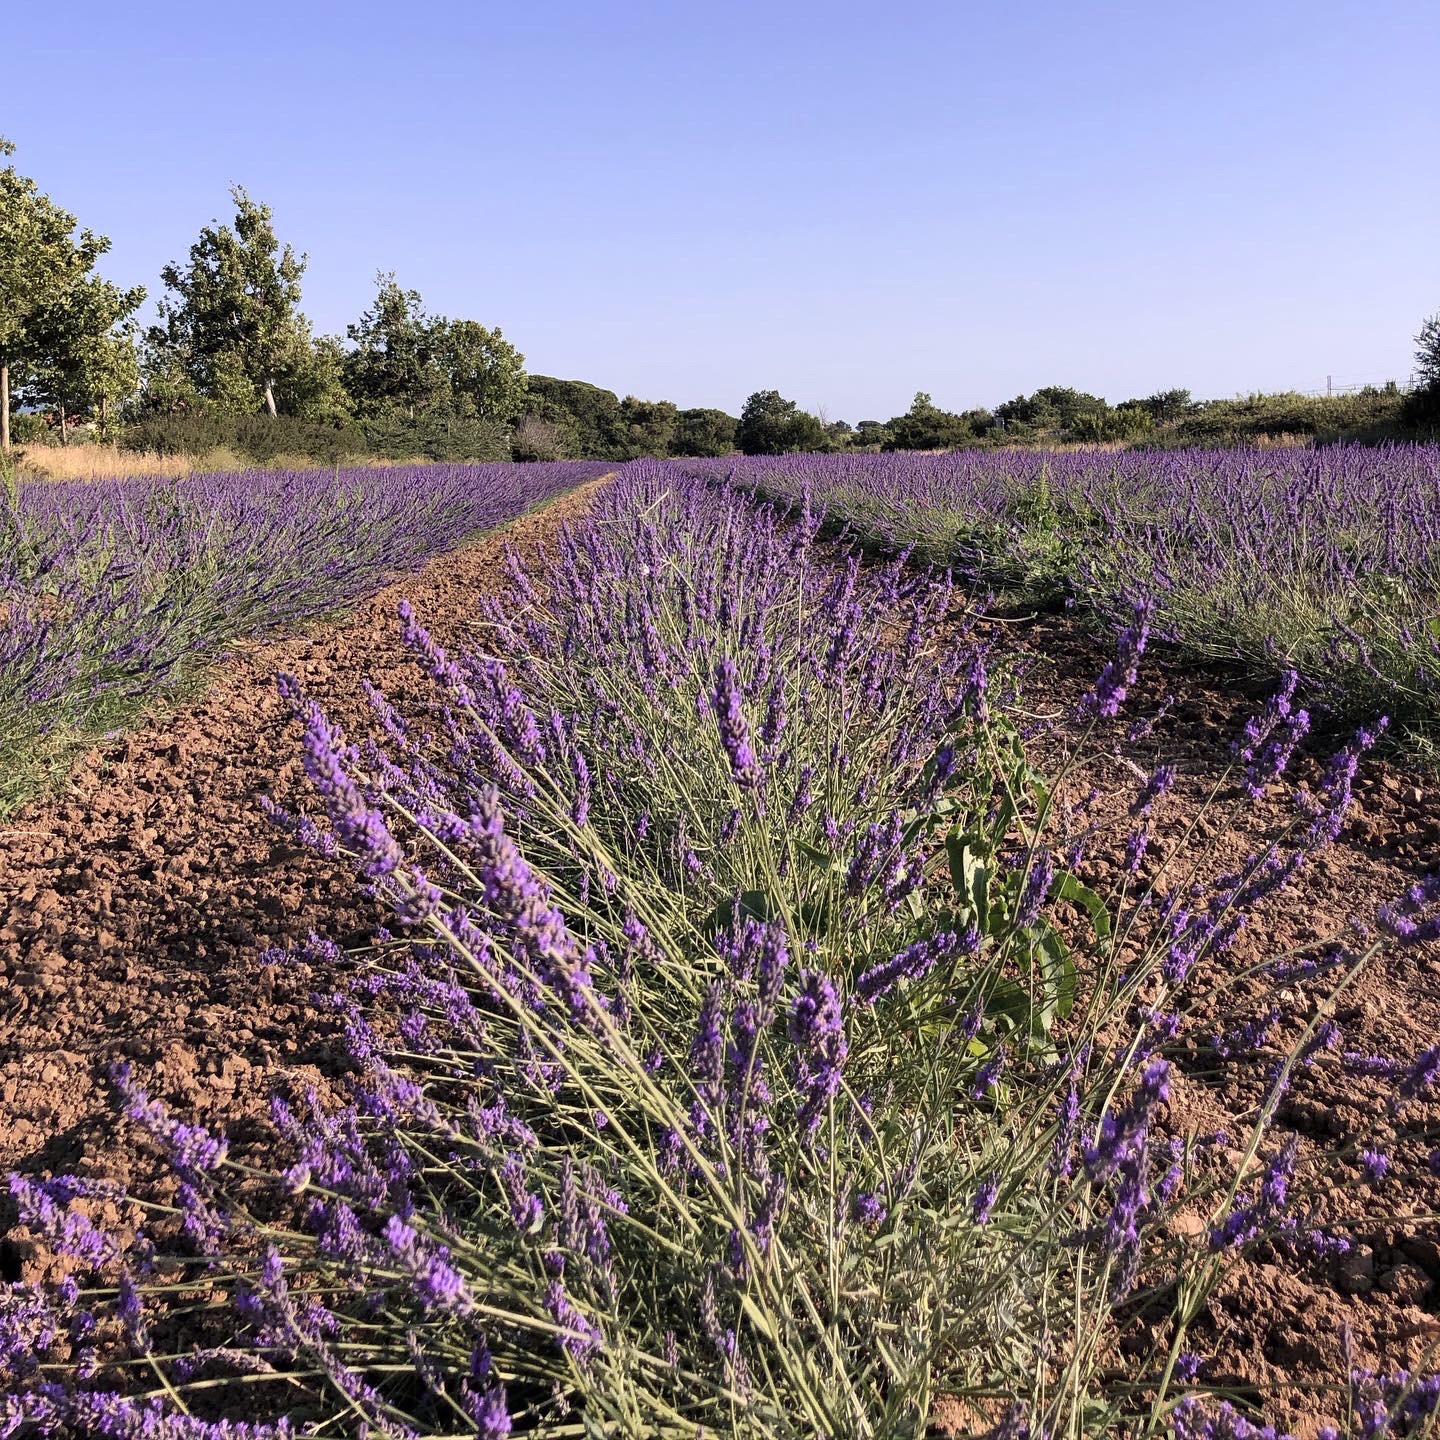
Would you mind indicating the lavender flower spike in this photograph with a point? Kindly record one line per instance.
(1114, 681)
(817, 1029)
(727, 702)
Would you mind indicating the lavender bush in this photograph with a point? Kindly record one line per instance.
(748, 1058)
(1324, 560)
(113, 594)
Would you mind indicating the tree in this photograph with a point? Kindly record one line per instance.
(233, 326)
(1427, 354)
(395, 365)
(772, 425)
(85, 358)
(42, 264)
(546, 431)
(312, 387)
(1163, 407)
(647, 427)
(872, 435)
(703, 432)
(595, 413)
(485, 372)
(927, 427)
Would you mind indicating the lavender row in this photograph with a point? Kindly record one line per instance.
(1327, 560)
(113, 594)
(748, 1055)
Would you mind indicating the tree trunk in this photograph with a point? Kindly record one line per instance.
(104, 417)
(270, 398)
(4, 407)
(63, 440)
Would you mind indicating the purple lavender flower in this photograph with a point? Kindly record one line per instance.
(1421, 1075)
(488, 1409)
(727, 701)
(526, 1209)
(988, 1075)
(1122, 1132)
(579, 1337)
(435, 1282)
(43, 1206)
(1247, 1037)
(984, 1201)
(1113, 683)
(1246, 1221)
(1038, 881)
(130, 1310)
(817, 1030)
(1270, 737)
(914, 962)
(1375, 1164)
(1399, 918)
(191, 1148)
(707, 1049)
(1157, 784)
(869, 1210)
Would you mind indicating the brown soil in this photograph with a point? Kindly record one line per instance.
(136, 906)
(1275, 1332)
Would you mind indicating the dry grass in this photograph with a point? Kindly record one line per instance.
(90, 462)
(101, 462)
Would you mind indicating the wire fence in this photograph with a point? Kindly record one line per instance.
(1335, 385)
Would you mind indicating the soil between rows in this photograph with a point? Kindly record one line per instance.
(135, 907)
(1280, 1333)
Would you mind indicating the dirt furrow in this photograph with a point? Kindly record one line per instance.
(135, 907)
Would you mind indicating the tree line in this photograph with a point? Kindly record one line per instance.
(231, 358)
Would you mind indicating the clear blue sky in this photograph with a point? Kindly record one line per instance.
(846, 202)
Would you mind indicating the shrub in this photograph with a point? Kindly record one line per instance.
(29, 428)
(1361, 416)
(262, 439)
(258, 438)
(435, 436)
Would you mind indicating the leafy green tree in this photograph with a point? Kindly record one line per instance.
(1130, 420)
(231, 325)
(43, 264)
(647, 427)
(85, 351)
(871, 435)
(1165, 406)
(1427, 354)
(312, 387)
(484, 371)
(772, 425)
(927, 427)
(546, 431)
(395, 364)
(595, 413)
(704, 432)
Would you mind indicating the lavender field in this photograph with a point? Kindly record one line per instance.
(759, 1043)
(1325, 561)
(116, 594)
